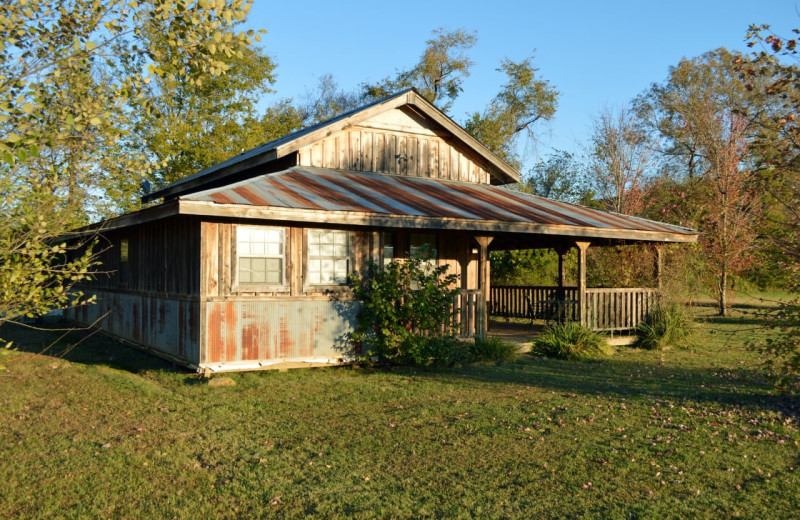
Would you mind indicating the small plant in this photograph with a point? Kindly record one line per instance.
(569, 341)
(665, 325)
(492, 349)
(406, 313)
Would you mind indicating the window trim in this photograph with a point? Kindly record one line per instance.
(238, 287)
(307, 285)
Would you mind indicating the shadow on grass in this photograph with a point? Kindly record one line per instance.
(636, 379)
(81, 346)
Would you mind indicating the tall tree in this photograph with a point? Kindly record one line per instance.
(438, 75)
(774, 74)
(559, 177)
(522, 101)
(621, 156)
(732, 210)
(191, 125)
(711, 78)
(67, 93)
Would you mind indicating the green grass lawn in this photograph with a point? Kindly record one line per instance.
(108, 432)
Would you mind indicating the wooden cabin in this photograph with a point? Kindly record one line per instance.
(244, 265)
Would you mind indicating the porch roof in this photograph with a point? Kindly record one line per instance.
(308, 194)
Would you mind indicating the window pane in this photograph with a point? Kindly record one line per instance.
(259, 253)
(328, 257)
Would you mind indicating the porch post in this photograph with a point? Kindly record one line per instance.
(659, 267)
(562, 252)
(482, 317)
(583, 315)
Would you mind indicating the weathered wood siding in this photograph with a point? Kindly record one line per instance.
(396, 143)
(162, 259)
(152, 299)
(298, 321)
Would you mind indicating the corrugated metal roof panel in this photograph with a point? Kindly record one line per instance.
(304, 187)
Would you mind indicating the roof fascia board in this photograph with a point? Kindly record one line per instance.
(351, 218)
(168, 209)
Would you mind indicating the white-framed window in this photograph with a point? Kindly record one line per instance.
(387, 239)
(424, 245)
(260, 255)
(328, 257)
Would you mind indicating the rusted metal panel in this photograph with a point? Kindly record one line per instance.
(254, 330)
(304, 187)
(167, 325)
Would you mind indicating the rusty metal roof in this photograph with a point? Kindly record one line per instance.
(345, 192)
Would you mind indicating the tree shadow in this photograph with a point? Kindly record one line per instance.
(61, 339)
(636, 380)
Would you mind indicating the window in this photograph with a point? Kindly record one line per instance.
(424, 245)
(387, 239)
(260, 255)
(123, 251)
(328, 257)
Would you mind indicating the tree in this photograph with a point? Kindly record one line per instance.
(522, 101)
(439, 74)
(193, 125)
(620, 159)
(774, 74)
(711, 78)
(68, 93)
(559, 177)
(732, 209)
(327, 101)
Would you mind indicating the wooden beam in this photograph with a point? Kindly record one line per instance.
(583, 316)
(481, 314)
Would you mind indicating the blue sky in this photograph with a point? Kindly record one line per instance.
(596, 53)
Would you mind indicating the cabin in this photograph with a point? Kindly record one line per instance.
(244, 265)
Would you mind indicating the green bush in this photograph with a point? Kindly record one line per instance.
(492, 349)
(406, 313)
(665, 325)
(569, 341)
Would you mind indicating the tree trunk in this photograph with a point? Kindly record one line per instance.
(723, 292)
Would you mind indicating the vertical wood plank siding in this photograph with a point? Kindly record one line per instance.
(377, 151)
(153, 298)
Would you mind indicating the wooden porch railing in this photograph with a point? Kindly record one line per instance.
(618, 309)
(509, 301)
(465, 306)
(606, 310)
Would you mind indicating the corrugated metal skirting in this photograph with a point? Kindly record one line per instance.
(279, 330)
(168, 325)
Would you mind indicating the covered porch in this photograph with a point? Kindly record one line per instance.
(519, 310)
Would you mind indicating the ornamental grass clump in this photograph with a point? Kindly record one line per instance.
(665, 326)
(569, 341)
(492, 348)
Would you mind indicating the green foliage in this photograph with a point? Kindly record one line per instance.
(438, 75)
(560, 177)
(667, 325)
(406, 312)
(522, 101)
(569, 341)
(75, 75)
(492, 348)
(780, 348)
(525, 267)
(38, 269)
